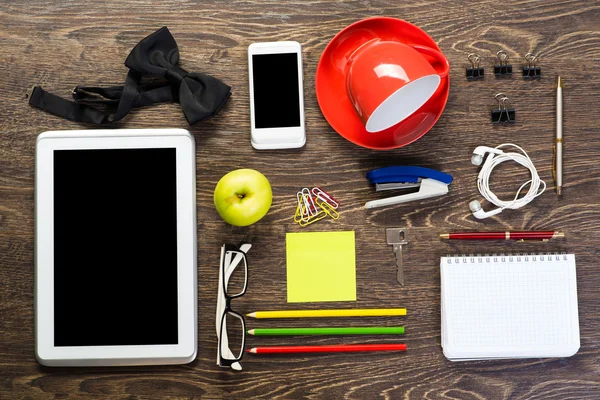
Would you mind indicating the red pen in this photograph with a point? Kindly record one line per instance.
(344, 348)
(522, 235)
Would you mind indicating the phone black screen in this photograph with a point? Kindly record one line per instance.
(276, 93)
(115, 247)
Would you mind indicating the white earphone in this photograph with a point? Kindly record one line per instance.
(480, 152)
(495, 157)
(478, 212)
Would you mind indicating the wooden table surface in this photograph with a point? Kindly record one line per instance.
(62, 44)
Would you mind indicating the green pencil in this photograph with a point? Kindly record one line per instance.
(382, 330)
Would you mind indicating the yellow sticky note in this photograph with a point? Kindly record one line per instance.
(321, 266)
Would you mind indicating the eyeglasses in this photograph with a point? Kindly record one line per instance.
(231, 327)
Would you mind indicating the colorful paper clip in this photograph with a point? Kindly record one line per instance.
(314, 205)
(301, 210)
(319, 216)
(297, 215)
(309, 202)
(326, 197)
(328, 208)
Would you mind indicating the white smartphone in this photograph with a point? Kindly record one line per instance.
(276, 95)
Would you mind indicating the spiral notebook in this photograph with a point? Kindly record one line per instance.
(521, 306)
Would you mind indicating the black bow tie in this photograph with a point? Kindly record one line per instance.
(201, 96)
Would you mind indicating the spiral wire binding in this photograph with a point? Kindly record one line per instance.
(518, 257)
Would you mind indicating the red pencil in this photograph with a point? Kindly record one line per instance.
(343, 348)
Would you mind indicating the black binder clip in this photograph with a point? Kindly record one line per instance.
(502, 114)
(475, 72)
(531, 71)
(503, 68)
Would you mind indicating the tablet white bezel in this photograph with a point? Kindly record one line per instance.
(185, 350)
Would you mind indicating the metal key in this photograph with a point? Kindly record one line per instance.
(397, 237)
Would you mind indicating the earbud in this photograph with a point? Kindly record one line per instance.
(478, 212)
(479, 154)
(476, 159)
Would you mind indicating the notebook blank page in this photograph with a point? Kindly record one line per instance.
(509, 306)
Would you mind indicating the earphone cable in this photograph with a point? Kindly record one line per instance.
(483, 181)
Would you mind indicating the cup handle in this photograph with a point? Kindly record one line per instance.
(439, 57)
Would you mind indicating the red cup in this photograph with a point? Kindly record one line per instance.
(387, 81)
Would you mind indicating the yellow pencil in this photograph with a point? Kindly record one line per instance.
(364, 312)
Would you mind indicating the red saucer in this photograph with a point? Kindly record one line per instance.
(333, 97)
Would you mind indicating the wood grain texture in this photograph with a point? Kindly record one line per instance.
(61, 44)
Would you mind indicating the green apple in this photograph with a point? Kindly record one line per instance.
(243, 196)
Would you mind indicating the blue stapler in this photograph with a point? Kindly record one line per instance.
(431, 183)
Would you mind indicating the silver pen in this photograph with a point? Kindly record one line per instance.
(558, 146)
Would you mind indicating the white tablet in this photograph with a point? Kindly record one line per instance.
(115, 251)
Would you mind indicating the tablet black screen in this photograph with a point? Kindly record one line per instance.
(115, 247)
